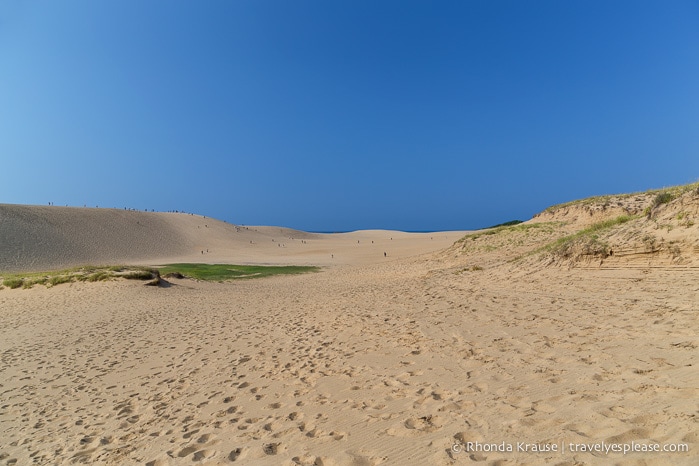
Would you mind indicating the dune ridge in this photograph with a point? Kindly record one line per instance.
(38, 238)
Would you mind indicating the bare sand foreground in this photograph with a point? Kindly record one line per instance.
(442, 353)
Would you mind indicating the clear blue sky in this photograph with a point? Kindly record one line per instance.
(342, 115)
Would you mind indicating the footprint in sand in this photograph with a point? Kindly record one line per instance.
(633, 434)
(273, 448)
(417, 426)
(186, 451)
(203, 454)
(272, 426)
(236, 454)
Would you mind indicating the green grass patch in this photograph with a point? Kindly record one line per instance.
(221, 272)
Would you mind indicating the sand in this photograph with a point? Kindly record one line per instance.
(398, 360)
(48, 238)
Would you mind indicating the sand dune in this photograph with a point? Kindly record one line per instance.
(401, 361)
(36, 238)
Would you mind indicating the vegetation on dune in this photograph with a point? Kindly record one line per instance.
(593, 241)
(662, 195)
(82, 274)
(140, 275)
(59, 279)
(587, 240)
(663, 198)
(505, 224)
(509, 227)
(215, 272)
(604, 199)
(13, 283)
(221, 272)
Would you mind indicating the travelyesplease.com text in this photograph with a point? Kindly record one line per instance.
(563, 447)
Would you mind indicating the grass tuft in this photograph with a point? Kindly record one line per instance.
(29, 282)
(60, 279)
(663, 198)
(13, 283)
(141, 275)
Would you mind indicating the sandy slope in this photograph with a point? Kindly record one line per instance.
(369, 362)
(45, 238)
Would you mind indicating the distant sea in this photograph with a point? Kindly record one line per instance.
(405, 231)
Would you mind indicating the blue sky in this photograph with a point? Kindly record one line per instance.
(342, 115)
